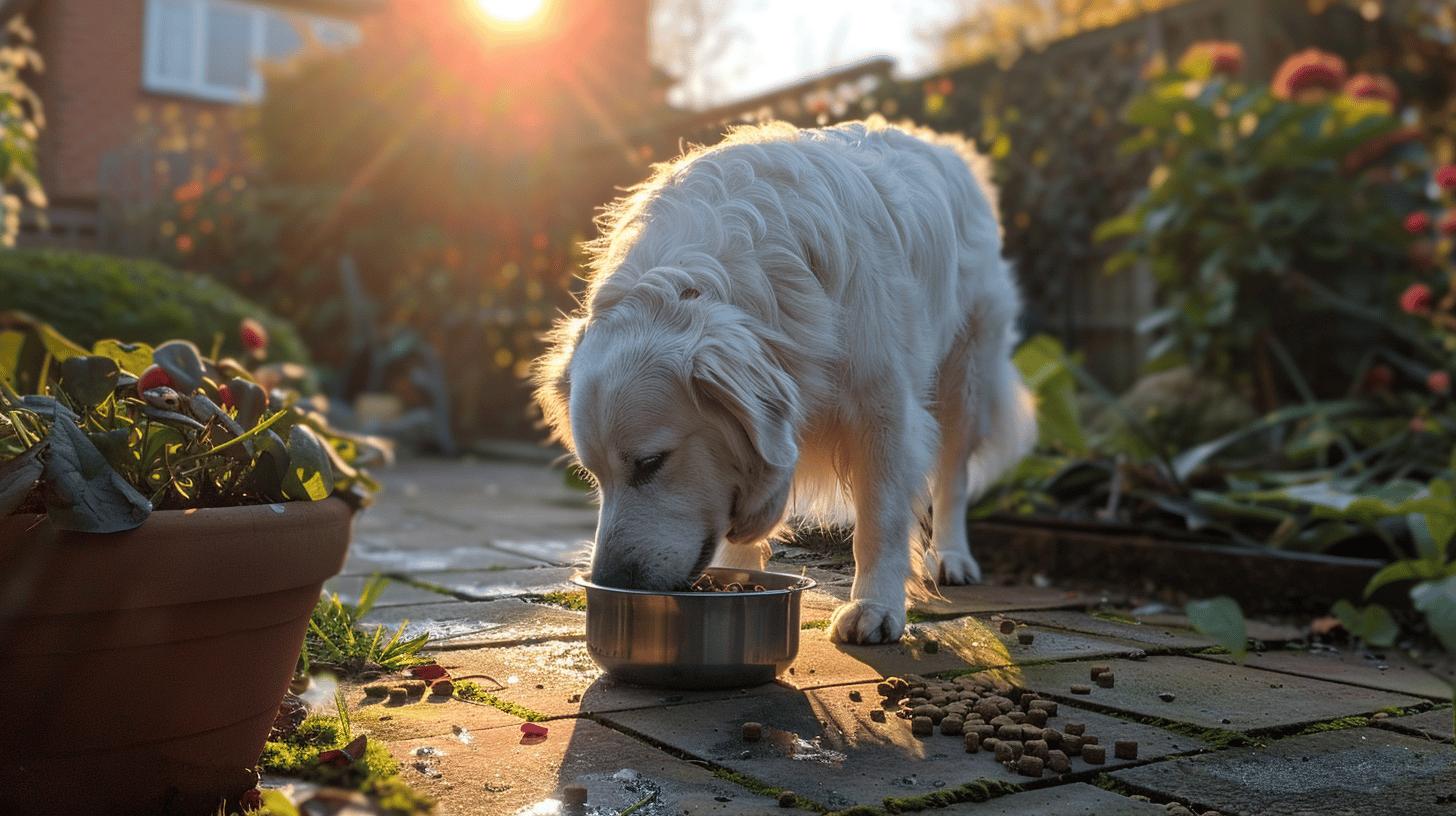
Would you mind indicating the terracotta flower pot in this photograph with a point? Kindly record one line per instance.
(140, 671)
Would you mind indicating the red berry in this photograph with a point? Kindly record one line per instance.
(153, 377)
(1417, 223)
(1446, 177)
(254, 336)
(225, 396)
(1417, 299)
(1439, 382)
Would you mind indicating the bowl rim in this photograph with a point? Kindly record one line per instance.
(804, 583)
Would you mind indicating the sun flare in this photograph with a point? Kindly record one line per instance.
(513, 13)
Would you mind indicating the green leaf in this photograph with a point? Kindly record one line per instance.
(249, 399)
(1437, 600)
(56, 343)
(1221, 619)
(310, 477)
(1372, 624)
(1047, 371)
(81, 490)
(11, 342)
(18, 477)
(1410, 569)
(182, 362)
(132, 357)
(89, 380)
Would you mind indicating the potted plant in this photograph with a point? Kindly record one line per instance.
(166, 523)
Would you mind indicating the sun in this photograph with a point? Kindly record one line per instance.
(512, 13)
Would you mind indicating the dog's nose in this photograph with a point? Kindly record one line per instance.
(607, 572)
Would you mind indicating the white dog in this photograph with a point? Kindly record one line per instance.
(822, 315)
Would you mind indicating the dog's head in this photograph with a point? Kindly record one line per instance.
(677, 409)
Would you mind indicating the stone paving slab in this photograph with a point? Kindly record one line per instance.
(1353, 772)
(425, 717)
(458, 624)
(380, 553)
(570, 683)
(1434, 725)
(964, 600)
(1394, 673)
(826, 747)
(395, 593)
(493, 584)
(1208, 694)
(1153, 635)
(962, 643)
(501, 772)
(1256, 629)
(1077, 799)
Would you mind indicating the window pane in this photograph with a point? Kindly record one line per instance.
(171, 53)
(229, 47)
(280, 37)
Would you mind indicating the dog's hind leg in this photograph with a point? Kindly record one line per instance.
(949, 558)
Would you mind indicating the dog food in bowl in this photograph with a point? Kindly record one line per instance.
(711, 637)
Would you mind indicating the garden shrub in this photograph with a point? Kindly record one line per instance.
(91, 297)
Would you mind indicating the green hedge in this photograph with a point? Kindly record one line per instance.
(89, 297)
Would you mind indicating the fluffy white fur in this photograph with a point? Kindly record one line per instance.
(795, 321)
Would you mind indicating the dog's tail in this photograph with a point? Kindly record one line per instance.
(1008, 424)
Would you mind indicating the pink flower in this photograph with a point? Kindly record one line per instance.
(1309, 70)
(1417, 223)
(1373, 86)
(1226, 58)
(1417, 299)
(1439, 382)
(253, 335)
(1446, 177)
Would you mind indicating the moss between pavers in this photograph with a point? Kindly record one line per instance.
(1217, 738)
(1115, 617)
(981, 790)
(756, 786)
(818, 624)
(1108, 783)
(375, 775)
(574, 600)
(428, 586)
(471, 692)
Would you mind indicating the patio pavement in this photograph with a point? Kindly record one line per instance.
(481, 551)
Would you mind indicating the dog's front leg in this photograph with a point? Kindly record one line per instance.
(887, 470)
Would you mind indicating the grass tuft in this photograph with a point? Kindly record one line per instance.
(574, 600)
(375, 775)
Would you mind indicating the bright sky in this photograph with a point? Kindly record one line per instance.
(783, 40)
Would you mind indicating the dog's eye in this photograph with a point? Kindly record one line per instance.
(645, 468)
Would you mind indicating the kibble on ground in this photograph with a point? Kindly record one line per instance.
(1125, 749)
(1094, 754)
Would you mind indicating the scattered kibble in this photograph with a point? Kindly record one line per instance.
(1094, 754)
(1075, 729)
(787, 799)
(1097, 670)
(1125, 749)
(573, 795)
(1078, 688)
(1049, 706)
(1029, 765)
(752, 731)
(855, 696)
(1052, 736)
(877, 714)
(1008, 626)
(398, 694)
(1036, 747)
(922, 726)
(1004, 752)
(1106, 679)
(1072, 744)
(972, 741)
(443, 688)
(1058, 762)
(415, 688)
(951, 726)
(376, 690)
(1037, 717)
(1167, 696)
(1025, 637)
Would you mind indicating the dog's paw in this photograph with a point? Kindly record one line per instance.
(866, 621)
(954, 568)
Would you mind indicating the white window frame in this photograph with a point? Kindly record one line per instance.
(196, 85)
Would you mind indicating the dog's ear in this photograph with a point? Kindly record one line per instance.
(734, 369)
(551, 375)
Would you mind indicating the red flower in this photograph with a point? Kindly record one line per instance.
(153, 377)
(1310, 70)
(1377, 148)
(1446, 177)
(225, 396)
(1417, 223)
(254, 336)
(1439, 382)
(1379, 378)
(1373, 86)
(1223, 57)
(1417, 299)
(1447, 224)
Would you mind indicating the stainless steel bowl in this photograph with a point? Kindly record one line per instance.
(696, 639)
